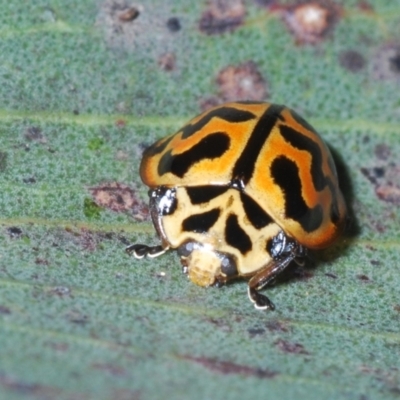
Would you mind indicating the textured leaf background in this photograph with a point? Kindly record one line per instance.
(84, 87)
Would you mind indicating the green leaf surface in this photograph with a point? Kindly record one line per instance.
(81, 94)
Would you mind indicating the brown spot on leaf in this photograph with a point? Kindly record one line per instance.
(222, 16)
(33, 133)
(365, 6)
(241, 82)
(111, 369)
(119, 197)
(130, 26)
(255, 331)
(4, 310)
(386, 63)
(128, 14)
(3, 161)
(277, 326)
(227, 367)
(30, 390)
(41, 261)
(77, 317)
(125, 394)
(120, 123)
(173, 24)
(363, 278)
(14, 232)
(389, 193)
(60, 291)
(58, 346)
(330, 275)
(375, 263)
(382, 151)
(396, 308)
(88, 240)
(352, 60)
(311, 21)
(386, 182)
(167, 61)
(288, 347)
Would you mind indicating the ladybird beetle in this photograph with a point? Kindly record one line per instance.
(242, 190)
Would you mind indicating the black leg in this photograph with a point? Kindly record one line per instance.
(264, 277)
(141, 250)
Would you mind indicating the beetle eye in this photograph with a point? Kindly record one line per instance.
(228, 266)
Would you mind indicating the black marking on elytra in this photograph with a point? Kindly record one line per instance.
(286, 174)
(203, 194)
(245, 164)
(211, 146)
(201, 223)
(301, 142)
(157, 148)
(229, 114)
(236, 236)
(256, 215)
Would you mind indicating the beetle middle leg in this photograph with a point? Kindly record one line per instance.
(283, 251)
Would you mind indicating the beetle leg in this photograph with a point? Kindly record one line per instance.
(264, 278)
(141, 250)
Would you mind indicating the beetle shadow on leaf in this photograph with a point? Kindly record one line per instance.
(352, 228)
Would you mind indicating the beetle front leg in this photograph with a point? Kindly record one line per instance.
(141, 250)
(262, 279)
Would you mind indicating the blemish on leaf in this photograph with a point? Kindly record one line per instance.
(227, 367)
(14, 232)
(26, 390)
(289, 347)
(3, 161)
(120, 123)
(173, 24)
(222, 16)
(386, 182)
(91, 209)
(95, 144)
(111, 369)
(363, 277)
(41, 261)
(77, 317)
(382, 151)
(88, 240)
(255, 331)
(4, 310)
(119, 197)
(167, 61)
(352, 60)
(311, 21)
(128, 15)
(34, 134)
(241, 82)
(386, 63)
(330, 275)
(365, 6)
(29, 180)
(277, 326)
(60, 291)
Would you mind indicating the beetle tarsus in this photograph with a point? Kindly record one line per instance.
(260, 301)
(141, 250)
